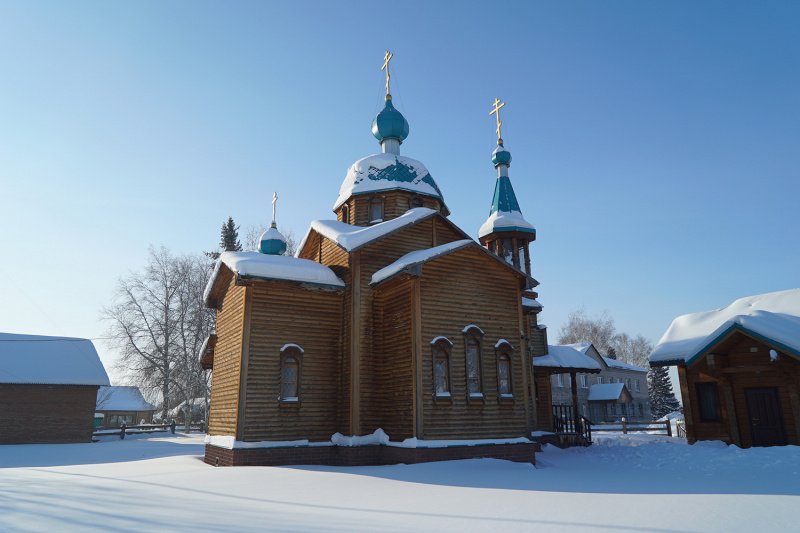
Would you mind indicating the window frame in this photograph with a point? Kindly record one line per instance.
(415, 198)
(473, 336)
(445, 346)
(599, 380)
(291, 352)
(584, 381)
(636, 386)
(703, 398)
(560, 381)
(376, 200)
(346, 213)
(505, 352)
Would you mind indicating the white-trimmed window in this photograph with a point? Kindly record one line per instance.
(473, 361)
(504, 351)
(584, 381)
(599, 380)
(560, 380)
(375, 210)
(441, 348)
(636, 385)
(291, 364)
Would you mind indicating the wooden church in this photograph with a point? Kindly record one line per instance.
(391, 336)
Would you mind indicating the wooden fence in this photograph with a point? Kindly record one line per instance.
(625, 427)
(142, 428)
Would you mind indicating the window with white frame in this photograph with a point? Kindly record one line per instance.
(636, 385)
(599, 380)
(584, 382)
(291, 361)
(560, 380)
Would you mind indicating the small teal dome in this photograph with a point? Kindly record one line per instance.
(272, 242)
(501, 156)
(390, 123)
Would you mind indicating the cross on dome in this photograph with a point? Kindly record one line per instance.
(496, 111)
(386, 58)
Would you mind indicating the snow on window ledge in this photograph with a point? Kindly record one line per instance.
(442, 394)
(476, 395)
(507, 396)
(290, 399)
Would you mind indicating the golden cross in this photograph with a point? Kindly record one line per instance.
(497, 105)
(386, 59)
(274, 201)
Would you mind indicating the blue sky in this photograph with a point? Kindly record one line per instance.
(655, 144)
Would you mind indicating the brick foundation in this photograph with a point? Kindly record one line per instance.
(376, 454)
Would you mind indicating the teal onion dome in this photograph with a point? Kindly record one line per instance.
(390, 123)
(272, 242)
(501, 156)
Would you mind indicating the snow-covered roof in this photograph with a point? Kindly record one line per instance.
(117, 398)
(530, 302)
(36, 359)
(613, 363)
(582, 347)
(381, 172)
(506, 221)
(565, 357)
(417, 258)
(351, 238)
(605, 392)
(774, 316)
(279, 267)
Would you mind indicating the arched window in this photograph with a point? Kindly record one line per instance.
(504, 353)
(345, 214)
(415, 201)
(474, 365)
(375, 209)
(291, 364)
(440, 347)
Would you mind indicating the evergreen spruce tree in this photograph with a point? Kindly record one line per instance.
(228, 240)
(229, 237)
(662, 399)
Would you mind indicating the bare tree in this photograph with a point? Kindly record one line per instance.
(253, 238)
(602, 332)
(599, 331)
(157, 323)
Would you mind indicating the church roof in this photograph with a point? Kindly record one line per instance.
(36, 359)
(277, 267)
(417, 258)
(774, 316)
(409, 261)
(385, 171)
(352, 238)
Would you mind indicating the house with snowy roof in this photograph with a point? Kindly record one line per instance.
(389, 321)
(48, 387)
(739, 370)
(631, 403)
(123, 404)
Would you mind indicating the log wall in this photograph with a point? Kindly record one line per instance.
(729, 371)
(283, 313)
(458, 290)
(395, 203)
(389, 394)
(223, 408)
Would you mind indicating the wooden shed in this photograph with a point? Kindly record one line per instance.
(48, 388)
(739, 370)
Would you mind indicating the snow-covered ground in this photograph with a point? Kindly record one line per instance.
(623, 483)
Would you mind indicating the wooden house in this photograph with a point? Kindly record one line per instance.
(120, 404)
(739, 370)
(390, 321)
(48, 387)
